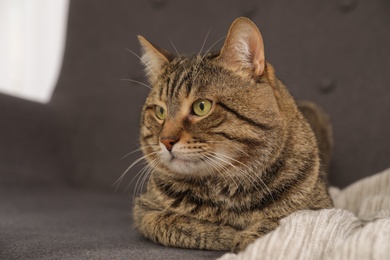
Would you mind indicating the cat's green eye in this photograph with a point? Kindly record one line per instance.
(160, 112)
(201, 107)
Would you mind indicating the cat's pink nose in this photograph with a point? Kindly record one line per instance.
(169, 141)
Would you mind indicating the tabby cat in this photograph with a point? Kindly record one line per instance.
(230, 151)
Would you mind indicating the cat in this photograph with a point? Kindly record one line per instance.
(229, 150)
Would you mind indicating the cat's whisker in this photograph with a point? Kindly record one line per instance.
(130, 153)
(195, 69)
(119, 180)
(137, 190)
(213, 163)
(218, 167)
(138, 175)
(200, 59)
(231, 144)
(250, 176)
(204, 42)
(221, 160)
(139, 149)
(144, 174)
(177, 52)
(203, 56)
(220, 39)
(198, 70)
(243, 173)
(148, 172)
(139, 82)
(147, 165)
(136, 150)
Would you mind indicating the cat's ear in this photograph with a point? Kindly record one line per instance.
(153, 58)
(243, 47)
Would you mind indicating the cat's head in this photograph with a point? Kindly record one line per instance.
(214, 113)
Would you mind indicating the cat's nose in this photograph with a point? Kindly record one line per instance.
(169, 141)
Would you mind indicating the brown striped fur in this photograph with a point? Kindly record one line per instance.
(222, 180)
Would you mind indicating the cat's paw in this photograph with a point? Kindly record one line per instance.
(243, 239)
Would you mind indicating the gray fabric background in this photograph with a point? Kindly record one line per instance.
(58, 161)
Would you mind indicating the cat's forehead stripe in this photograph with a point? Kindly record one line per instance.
(177, 83)
(181, 77)
(177, 80)
(162, 88)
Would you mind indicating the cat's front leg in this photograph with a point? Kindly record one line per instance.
(171, 229)
(247, 236)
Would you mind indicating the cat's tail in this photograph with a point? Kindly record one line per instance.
(322, 128)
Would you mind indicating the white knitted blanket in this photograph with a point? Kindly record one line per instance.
(357, 228)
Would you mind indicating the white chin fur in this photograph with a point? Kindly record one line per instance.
(178, 163)
(186, 167)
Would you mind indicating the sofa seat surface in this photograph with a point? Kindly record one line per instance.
(63, 223)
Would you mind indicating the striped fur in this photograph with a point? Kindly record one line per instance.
(232, 174)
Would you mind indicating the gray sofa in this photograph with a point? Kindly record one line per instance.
(58, 161)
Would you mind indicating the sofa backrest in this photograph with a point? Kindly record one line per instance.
(332, 52)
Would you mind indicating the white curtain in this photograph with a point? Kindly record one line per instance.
(32, 39)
